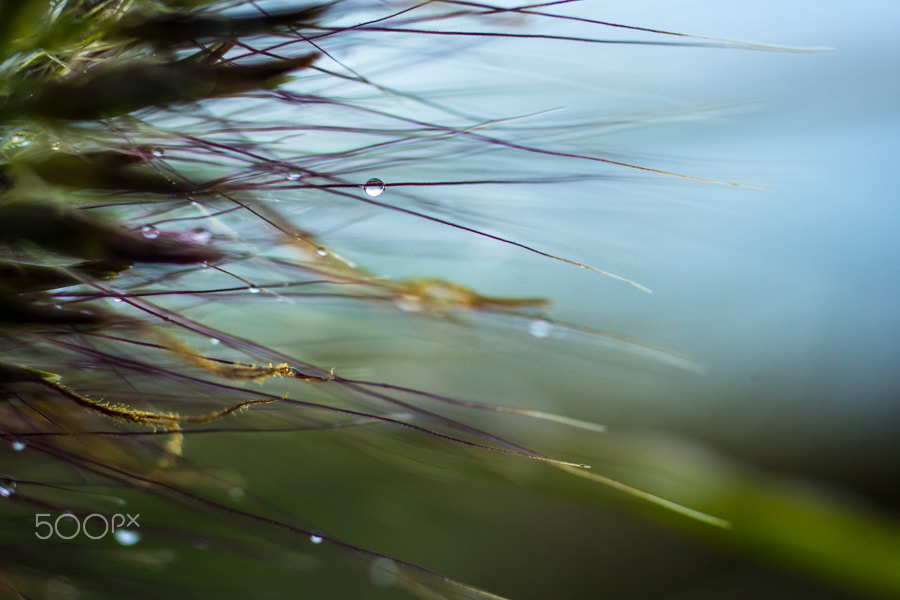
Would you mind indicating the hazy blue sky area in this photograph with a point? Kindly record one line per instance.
(777, 298)
(790, 297)
(787, 297)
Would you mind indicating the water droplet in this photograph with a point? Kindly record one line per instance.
(253, 289)
(61, 588)
(19, 139)
(374, 187)
(7, 487)
(321, 251)
(117, 299)
(202, 543)
(200, 235)
(150, 232)
(237, 493)
(126, 537)
(57, 306)
(163, 557)
(18, 445)
(292, 176)
(409, 303)
(159, 152)
(54, 146)
(539, 328)
(214, 341)
(383, 572)
(315, 538)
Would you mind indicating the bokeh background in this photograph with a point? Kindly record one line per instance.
(759, 382)
(786, 297)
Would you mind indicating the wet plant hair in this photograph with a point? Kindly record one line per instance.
(170, 173)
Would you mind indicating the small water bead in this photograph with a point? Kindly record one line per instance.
(202, 543)
(321, 251)
(18, 445)
(374, 187)
(61, 588)
(163, 557)
(214, 341)
(539, 328)
(408, 303)
(315, 538)
(253, 289)
(19, 139)
(117, 299)
(159, 152)
(7, 487)
(200, 235)
(292, 176)
(383, 572)
(127, 537)
(150, 232)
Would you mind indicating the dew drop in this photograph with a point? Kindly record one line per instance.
(165, 556)
(126, 537)
(7, 487)
(202, 543)
(214, 341)
(159, 152)
(383, 572)
(292, 176)
(117, 299)
(315, 538)
(201, 235)
(374, 187)
(321, 251)
(60, 587)
(54, 146)
(150, 232)
(19, 139)
(539, 328)
(18, 445)
(253, 289)
(409, 303)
